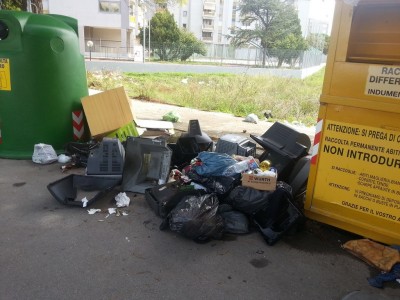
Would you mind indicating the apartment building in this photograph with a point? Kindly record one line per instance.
(211, 20)
(111, 25)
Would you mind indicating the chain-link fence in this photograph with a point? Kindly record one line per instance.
(215, 54)
(270, 58)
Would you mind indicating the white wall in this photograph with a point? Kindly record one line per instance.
(86, 12)
(195, 18)
(106, 26)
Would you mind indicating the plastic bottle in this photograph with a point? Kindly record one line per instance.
(241, 166)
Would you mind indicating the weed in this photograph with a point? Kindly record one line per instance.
(287, 99)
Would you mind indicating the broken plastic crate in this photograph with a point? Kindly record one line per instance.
(147, 164)
(235, 144)
(163, 198)
(71, 189)
(283, 146)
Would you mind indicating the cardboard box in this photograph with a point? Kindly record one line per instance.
(107, 111)
(111, 113)
(259, 182)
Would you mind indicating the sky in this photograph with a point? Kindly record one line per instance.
(323, 10)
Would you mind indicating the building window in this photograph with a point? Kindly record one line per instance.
(207, 35)
(184, 25)
(184, 13)
(109, 6)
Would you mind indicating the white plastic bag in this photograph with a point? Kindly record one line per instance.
(44, 154)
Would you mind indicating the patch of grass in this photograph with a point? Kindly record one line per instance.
(240, 95)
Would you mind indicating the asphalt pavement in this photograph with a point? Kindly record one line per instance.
(53, 251)
(154, 67)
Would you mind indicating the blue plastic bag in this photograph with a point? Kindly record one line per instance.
(213, 163)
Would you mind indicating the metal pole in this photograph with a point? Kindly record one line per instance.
(28, 6)
(90, 45)
(144, 39)
(149, 41)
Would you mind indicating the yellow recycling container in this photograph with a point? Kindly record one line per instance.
(354, 180)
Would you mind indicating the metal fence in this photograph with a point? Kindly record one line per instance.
(216, 54)
(108, 49)
(251, 56)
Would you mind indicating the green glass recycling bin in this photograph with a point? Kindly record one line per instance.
(42, 79)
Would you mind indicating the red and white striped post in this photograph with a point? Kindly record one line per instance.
(77, 124)
(317, 139)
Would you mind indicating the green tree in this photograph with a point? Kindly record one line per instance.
(170, 2)
(169, 42)
(165, 35)
(319, 41)
(189, 45)
(289, 50)
(268, 23)
(37, 6)
(13, 5)
(326, 44)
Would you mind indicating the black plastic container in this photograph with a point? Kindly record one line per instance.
(283, 146)
(66, 189)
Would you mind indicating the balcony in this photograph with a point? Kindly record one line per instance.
(209, 15)
(207, 36)
(208, 27)
(207, 39)
(209, 5)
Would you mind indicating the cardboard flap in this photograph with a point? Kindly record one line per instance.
(107, 111)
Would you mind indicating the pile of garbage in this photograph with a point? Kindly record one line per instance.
(202, 202)
(199, 188)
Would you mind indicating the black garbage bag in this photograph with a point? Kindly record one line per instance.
(247, 200)
(278, 215)
(220, 185)
(196, 217)
(163, 198)
(235, 222)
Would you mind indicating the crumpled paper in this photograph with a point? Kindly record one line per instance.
(92, 211)
(122, 200)
(84, 202)
(117, 212)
